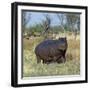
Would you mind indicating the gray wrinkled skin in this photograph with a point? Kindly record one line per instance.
(51, 51)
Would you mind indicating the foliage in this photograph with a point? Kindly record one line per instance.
(25, 20)
(73, 21)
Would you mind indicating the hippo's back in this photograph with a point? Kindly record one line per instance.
(44, 47)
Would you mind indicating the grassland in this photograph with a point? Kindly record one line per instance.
(31, 68)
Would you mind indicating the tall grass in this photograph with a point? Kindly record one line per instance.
(70, 67)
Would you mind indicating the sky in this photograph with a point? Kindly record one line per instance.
(37, 17)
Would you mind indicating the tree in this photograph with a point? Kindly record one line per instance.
(46, 24)
(73, 23)
(78, 22)
(25, 20)
(61, 18)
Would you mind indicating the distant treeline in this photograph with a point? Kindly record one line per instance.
(68, 23)
(38, 29)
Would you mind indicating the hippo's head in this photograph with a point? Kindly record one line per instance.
(62, 42)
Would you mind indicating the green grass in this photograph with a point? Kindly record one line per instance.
(31, 68)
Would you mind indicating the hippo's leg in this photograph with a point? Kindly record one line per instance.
(46, 61)
(64, 58)
(38, 59)
(50, 61)
(59, 60)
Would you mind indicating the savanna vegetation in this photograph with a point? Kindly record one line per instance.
(69, 27)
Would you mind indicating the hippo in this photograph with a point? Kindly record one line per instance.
(51, 51)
